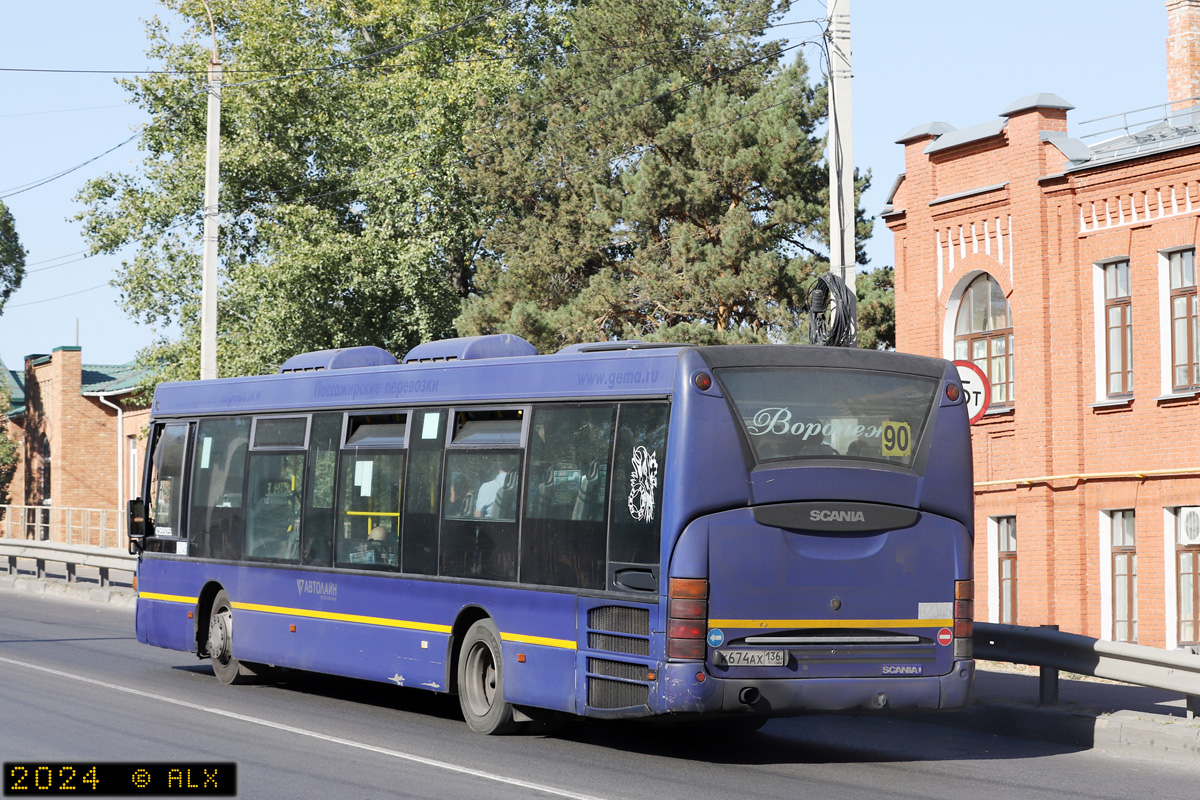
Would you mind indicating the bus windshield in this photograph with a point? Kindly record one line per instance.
(805, 412)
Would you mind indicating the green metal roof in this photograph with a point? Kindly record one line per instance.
(105, 378)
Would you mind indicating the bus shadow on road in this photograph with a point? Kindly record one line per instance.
(826, 739)
(817, 739)
(350, 690)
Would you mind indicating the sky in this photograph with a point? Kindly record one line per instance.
(955, 61)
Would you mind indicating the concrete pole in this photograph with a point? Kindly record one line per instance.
(841, 144)
(212, 182)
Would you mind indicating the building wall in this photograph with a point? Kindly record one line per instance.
(1064, 454)
(83, 435)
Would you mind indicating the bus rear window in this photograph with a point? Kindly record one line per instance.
(814, 412)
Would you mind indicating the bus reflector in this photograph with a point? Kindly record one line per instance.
(964, 619)
(689, 588)
(688, 619)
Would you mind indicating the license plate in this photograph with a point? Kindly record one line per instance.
(751, 658)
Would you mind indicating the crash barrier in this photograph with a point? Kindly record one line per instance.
(1053, 650)
(72, 556)
(101, 527)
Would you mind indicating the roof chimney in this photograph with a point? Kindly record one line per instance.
(1183, 51)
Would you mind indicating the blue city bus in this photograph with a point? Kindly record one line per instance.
(616, 530)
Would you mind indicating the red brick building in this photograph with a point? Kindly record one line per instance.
(80, 446)
(1067, 271)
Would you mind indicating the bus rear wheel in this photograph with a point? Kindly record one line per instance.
(220, 643)
(481, 681)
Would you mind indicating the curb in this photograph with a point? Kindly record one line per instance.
(118, 596)
(1124, 733)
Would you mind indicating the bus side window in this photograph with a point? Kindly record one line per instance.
(479, 531)
(426, 444)
(166, 482)
(317, 530)
(369, 506)
(273, 514)
(636, 509)
(218, 472)
(564, 529)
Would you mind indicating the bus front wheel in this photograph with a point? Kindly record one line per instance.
(481, 681)
(220, 643)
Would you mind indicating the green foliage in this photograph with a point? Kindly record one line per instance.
(343, 219)
(876, 292)
(665, 182)
(12, 256)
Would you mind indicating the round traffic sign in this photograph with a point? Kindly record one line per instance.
(945, 636)
(977, 389)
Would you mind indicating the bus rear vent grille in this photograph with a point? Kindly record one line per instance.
(617, 669)
(615, 694)
(619, 644)
(620, 619)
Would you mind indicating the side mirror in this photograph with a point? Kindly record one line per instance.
(137, 524)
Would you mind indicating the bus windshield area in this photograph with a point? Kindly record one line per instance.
(793, 413)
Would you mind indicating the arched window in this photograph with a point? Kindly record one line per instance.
(983, 334)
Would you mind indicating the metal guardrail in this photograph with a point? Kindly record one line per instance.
(72, 556)
(1046, 647)
(92, 526)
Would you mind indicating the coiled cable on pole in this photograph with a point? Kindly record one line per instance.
(841, 327)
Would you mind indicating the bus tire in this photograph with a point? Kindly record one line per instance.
(481, 681)
(220, 643)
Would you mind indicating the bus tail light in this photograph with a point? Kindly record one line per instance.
(964, 619)
(686, 628)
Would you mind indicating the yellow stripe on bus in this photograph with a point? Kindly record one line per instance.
(793, 624)
(384, 621)
(566, 644)
(304, 612)
(170, 598)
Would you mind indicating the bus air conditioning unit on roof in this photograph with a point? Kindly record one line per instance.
(339, 358)
(497, 345)
(1189, 525)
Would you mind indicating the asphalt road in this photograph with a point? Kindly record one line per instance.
(78, 686)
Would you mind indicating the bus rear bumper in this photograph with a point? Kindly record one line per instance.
(792, 696)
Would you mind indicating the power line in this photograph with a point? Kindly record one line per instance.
(298, 71)
(59, 297)
(56, 266)
(55, 258)
(16, 190)
(394, 48)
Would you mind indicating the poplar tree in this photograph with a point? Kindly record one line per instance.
(343, 220)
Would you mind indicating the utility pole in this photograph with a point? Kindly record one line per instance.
(841, 144)
(212, 183)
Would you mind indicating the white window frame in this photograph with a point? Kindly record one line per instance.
(1170, 598)
(952, 305)
(1100, 329)
(993, 567)
(1167, 386)
(1106, 575)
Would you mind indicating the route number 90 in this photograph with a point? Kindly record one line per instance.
(897, 439)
